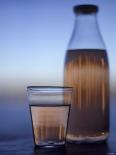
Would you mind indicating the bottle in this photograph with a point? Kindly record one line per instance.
(86, 69)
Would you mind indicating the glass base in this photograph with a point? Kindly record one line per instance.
(87, 139)
(50, 144)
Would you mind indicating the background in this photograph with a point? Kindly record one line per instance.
(34, 37)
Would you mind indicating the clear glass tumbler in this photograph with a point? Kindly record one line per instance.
(49, 109)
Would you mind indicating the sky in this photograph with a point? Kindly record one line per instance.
(34, 35)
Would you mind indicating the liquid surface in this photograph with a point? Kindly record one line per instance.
(87, 72)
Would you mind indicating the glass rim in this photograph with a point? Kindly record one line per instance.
(50, 105)
(57, 89)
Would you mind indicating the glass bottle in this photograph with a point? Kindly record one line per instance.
(86, 69)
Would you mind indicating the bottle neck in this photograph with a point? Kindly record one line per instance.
(86, 32)
(86, 24)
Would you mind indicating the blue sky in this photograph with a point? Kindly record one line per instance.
(33, 39)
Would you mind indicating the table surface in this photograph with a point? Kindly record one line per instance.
(16, 134)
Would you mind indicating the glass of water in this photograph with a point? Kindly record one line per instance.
(49, 109)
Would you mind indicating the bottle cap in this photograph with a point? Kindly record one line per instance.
(85, 9)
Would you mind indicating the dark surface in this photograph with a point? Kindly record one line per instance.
(16, 134)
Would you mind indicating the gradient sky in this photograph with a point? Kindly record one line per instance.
(33, 39)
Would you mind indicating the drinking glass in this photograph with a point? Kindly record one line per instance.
(49, 109)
